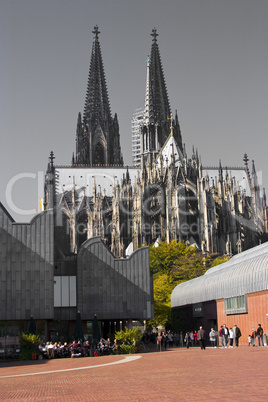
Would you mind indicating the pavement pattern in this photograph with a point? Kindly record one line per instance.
(177, 374)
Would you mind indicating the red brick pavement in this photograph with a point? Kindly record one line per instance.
(238, 374)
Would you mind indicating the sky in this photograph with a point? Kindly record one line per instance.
(215, 61)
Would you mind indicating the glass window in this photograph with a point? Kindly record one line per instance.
(64, 291)
(235, 305)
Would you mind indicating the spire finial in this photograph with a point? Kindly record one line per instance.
(96, 31)
(51, 157)
(154, 34)
(246, 160)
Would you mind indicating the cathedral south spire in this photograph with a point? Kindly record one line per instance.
(156, 124)
(97, 134)
(158, 86)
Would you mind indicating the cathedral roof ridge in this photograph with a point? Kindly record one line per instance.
(89, 166)
(223, 167)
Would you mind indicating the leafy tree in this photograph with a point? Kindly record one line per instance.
(162, 257)
(171, 264)
(163, 286)
(220, 260)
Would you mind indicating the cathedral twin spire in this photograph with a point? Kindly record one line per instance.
(156, 122)
(97, 135)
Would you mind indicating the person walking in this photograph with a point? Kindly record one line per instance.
(260, 335)
(201, 336)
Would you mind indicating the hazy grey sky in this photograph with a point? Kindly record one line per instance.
(215, 60)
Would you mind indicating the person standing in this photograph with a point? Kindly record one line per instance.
(237, 334)
(221, 336)
(195, 338)
(159, 341)
(225, 332)
(164, 341)
(187, 340)
(212, 338)
(249, 340)
(253, 337)
(201, 336)
(260, 335)
(231, 338)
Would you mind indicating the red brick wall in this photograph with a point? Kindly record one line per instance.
(257, 309)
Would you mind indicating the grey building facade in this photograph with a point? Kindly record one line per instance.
(93, 281)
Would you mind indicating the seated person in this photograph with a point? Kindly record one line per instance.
(86, 349)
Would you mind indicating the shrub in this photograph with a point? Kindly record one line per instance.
(125, 339)
(28, 343)
(128, 349)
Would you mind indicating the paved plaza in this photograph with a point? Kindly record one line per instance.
(239, 374)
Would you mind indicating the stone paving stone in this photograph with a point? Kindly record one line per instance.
(238, 374)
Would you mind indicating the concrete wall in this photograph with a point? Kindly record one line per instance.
(113, 288)
(26, 267)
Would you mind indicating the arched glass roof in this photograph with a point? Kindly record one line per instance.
(246, 272)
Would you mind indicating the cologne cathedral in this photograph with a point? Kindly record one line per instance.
(169, 195)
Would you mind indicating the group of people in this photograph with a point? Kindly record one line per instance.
(256, 335)
(229, 336)
(179, 339)
(105, 347)
(190, 339)
(165, 340)
(52, 350)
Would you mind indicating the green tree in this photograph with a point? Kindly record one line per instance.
(220, 260)
(171, 264)
(162, 257)
(163, 286)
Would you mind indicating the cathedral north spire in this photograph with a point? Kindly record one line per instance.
(97, 136)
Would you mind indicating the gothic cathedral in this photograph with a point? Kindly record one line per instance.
(167, 196)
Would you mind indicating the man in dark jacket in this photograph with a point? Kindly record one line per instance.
(237, 334)
(201, 336)
(260, 335)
